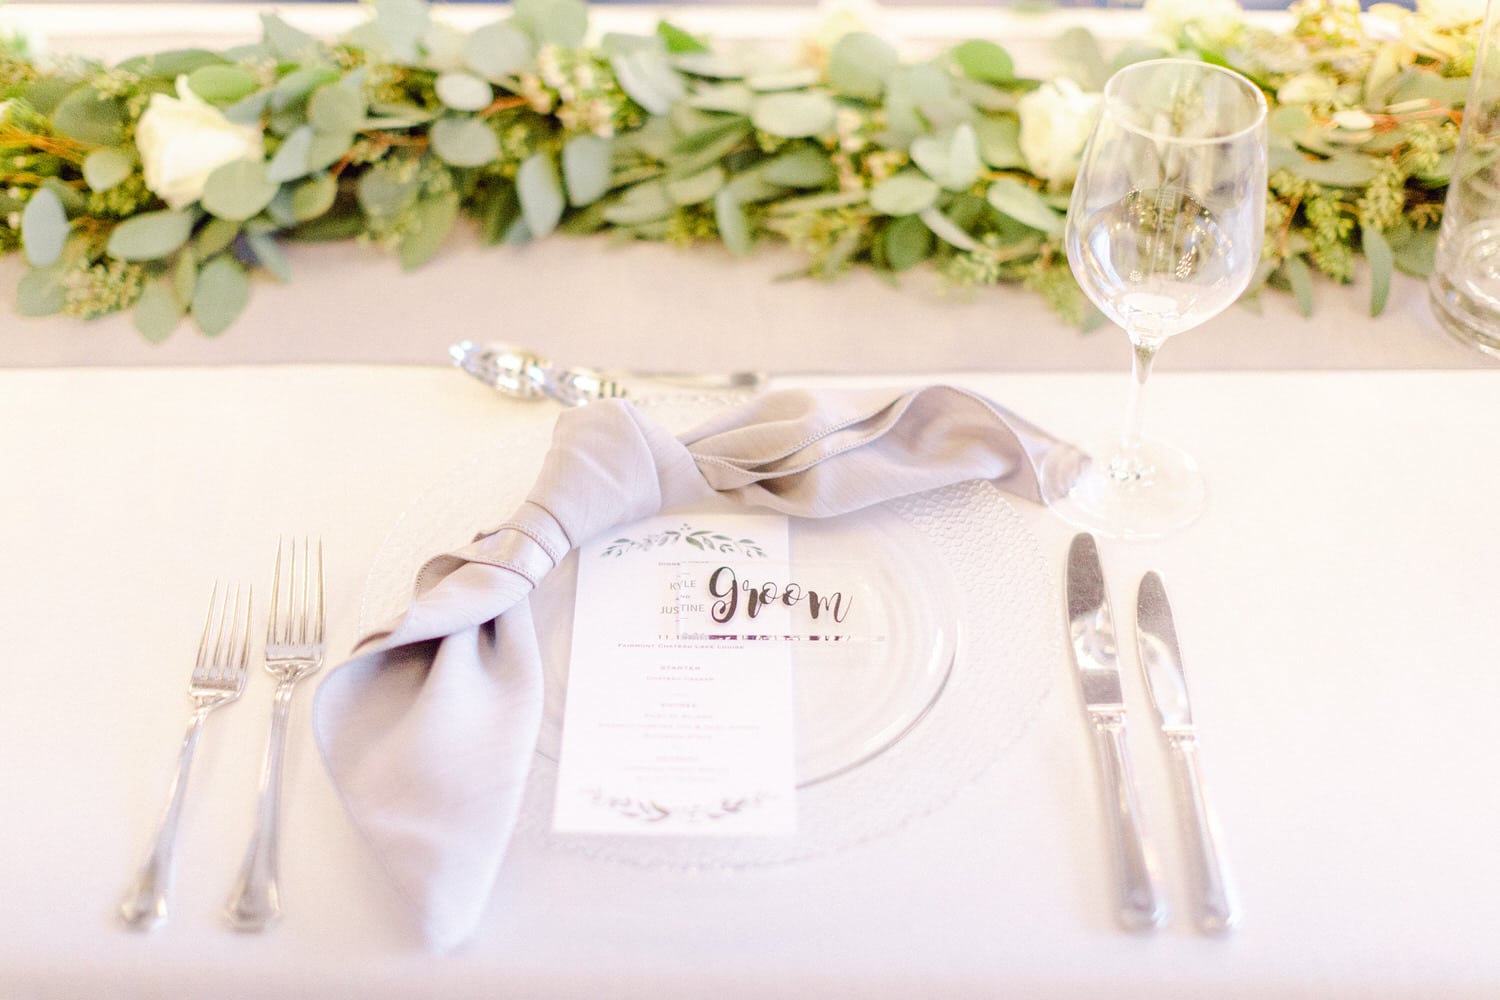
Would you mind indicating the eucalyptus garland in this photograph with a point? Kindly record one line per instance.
(162, 183)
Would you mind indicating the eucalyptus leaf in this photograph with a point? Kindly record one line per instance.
(951, 160)
(803, 166)
(794, 78)
(860, 63)
(986, 61)
(238, 190)
(220, 295)
(541, 193)
(327, 148)
(1299, 276)
(734, 98)
(1019, 202)
(587, 165)
(106, 167)
(278, 213)
(1343, 169)
(91, 117)
(184, 277)
(696, 189)
(44, 227)
(443, 48)
(1382, 264)
(335, 108)
(1414, 255)
(464, 142)
(678, 41)
(157, 312)
(793, 115)
(291, 159)
(947, 230)
(296, 85)
(291, 44)
(732, 223)
(150, 235)
(906, 242)
(41, 292)
(215, 236)
(221, 84)
(268, 254)
(498, 49)
(171, 64)
(710, 64)
(1000, 141)
(384, 192)
(463, 91)
(401, 25)
(642, 203)
(431, 224)
(249, 110)
(905, 193)
(1080, 51)
(313, 197)
(563, 23)
(648, 78)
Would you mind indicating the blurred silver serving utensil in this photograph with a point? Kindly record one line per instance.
(523, 374)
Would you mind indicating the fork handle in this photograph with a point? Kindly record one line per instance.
(144, 906)
(255, 901)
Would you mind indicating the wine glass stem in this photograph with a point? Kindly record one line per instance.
(1127, 464)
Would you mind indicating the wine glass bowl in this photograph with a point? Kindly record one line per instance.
(1164, 232)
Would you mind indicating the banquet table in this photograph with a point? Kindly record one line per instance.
(1333, 602)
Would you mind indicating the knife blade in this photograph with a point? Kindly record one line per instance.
(1095, 654)
(1161, 661)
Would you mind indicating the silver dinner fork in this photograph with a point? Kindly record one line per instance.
(294, 650)
(218, 678)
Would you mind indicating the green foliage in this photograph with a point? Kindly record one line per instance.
(404, 127)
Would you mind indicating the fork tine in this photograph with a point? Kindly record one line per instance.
(319, 636)
(301, 614)
(224, 631)
(271, 624)
(237, 667)
(213, 601)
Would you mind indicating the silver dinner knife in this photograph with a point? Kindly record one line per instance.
(1161, 659)
(1092, 629)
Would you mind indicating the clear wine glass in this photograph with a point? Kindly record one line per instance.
(1164, 231)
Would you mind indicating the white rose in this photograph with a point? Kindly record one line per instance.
(1452, 13)
(183, 139)
(1056, 119)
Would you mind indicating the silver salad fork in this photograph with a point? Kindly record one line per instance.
(218, 678)
(294, 650)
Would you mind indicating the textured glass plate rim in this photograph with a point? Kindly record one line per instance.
(978, 715)
(893, 548)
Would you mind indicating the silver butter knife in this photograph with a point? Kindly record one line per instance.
(1091, 627)
(1161, 659)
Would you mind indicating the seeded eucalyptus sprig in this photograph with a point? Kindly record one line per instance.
(162, 183)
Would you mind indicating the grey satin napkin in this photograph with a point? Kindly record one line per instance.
(429, 731)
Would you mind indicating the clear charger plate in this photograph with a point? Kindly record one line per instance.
(888, 730)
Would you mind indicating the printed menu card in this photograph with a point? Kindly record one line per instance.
(680, 701)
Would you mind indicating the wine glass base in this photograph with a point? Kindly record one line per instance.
(1160, 494)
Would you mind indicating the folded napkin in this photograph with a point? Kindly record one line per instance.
(429, 731)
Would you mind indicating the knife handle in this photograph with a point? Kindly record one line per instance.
(1217, 909)
(1142, 906)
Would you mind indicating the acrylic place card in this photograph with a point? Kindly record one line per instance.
(679, 715)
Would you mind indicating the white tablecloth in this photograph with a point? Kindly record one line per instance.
(1336, 604)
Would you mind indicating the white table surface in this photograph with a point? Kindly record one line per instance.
(1336, 605)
